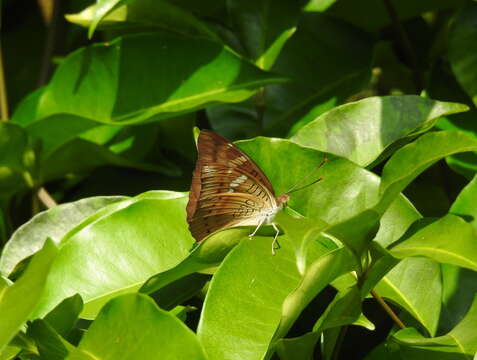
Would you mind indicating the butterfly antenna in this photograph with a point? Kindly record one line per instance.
(294, 187)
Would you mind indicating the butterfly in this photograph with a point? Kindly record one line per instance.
(228, 189)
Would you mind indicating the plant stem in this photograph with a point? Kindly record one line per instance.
(388, 309)
(339, 343)
(260, 106)
(49, 44)
(405, 45)
(3, 90)
(46, 198)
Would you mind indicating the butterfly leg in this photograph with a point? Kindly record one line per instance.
(256, 229)
(275, 239)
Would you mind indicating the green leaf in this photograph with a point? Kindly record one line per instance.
(362, 130)
(415, 285)
(449, 240)
(465, 163)
(53, 223)
(299, 348)
(463, 49)
(24, 294)
(459, 343)
(208, 254)
(151, 229)
(343, 310)
(264, 26)
(102, 8)
(17, 161)
(125, 75)
(345, 191)
(411, 160)
(49, 343)
(459, 288)
(64, 316)
(395, 221)
(144, 14)
(170, 296)
(464, 205)
(115, 333)
(254, 297)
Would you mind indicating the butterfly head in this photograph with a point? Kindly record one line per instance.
(282, 200)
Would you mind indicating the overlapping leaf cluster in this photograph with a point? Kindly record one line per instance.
(115, 277)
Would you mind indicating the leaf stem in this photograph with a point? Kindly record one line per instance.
(405, 45)
(388, 309)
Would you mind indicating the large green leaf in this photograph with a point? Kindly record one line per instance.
(345, 191)
(117, 249)
(362, 130)
(463, 49)
(160, 14)
(459, 343)
(133, 327)
(17, 160)
(142, 76)
(254, 297)
(54, 224)
(449, 240)
(415, 285)
(409, 161)
(18, 300)
(264, 26)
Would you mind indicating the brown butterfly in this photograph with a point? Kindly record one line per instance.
(228, 189)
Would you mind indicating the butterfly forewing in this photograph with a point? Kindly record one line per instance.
(228, 188)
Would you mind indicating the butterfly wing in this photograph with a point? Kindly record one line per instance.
(228, 188)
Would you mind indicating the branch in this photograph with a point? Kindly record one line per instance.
(46, 198)
(388, 309)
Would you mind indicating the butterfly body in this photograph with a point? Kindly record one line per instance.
(228, 189)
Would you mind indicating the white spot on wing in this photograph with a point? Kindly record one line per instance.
(240, 180)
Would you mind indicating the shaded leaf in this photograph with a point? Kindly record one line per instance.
(17, 160)
(264, 26)
(463, 49)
